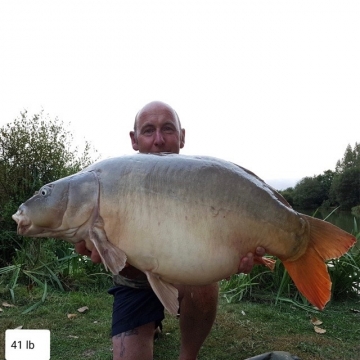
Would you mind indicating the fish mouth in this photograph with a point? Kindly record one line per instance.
(23, 222)
(26, 227)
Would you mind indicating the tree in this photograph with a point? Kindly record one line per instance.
(325, 180)
(357, 155)
(331, 188)
(312, 192)
(33, 151)
(345, 185)
(288, 195)
(351, 159)
(346, 188)
(308, 193)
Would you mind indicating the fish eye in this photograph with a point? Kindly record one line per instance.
(44, 191)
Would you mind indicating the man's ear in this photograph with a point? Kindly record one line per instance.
(134, 142)
(182, 138)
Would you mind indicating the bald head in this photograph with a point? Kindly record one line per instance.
(153, 108)
(157, 128)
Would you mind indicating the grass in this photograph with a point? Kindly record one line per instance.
(240, 331)
(85, 336)
(258, 313)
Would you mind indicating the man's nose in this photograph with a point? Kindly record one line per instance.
(159, 139)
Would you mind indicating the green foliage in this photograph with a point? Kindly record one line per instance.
(309, 193)
(39, 263)
(33, 151)
(356, 210)
(259, 284)
(350, 160)
(8, 245)
(288, 195)
(341, 187)
(345, 275)
(346, 188)
(239, 286)
(312, 192)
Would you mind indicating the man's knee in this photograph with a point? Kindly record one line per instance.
(134, 344)
(203, 298)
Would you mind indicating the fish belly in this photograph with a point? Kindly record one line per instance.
(186, 243)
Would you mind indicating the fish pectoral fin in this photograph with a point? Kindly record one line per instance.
(112, 257)
(167, 293)
(270, 263)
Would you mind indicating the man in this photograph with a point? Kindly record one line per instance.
(137, 312)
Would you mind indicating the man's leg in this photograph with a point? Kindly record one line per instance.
(136, 314)
(136, 344)
(198, 306)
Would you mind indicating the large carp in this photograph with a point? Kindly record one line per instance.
(183, 220)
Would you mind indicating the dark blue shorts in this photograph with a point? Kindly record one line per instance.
(133, 308)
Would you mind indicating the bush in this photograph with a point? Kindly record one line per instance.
(34, 151)
(356, 211)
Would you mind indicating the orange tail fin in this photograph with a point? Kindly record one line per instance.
(309, 272)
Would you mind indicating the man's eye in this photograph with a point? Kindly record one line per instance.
(168, 129)
(148, 131)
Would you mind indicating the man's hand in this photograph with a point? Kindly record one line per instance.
(247, 262)
(81, 249)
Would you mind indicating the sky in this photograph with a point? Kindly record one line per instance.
(273, 86)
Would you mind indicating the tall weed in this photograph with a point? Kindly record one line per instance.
(53, 263)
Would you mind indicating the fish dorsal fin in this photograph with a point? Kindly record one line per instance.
(167, 293)
(112, 257)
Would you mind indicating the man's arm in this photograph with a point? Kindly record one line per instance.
(81, 249)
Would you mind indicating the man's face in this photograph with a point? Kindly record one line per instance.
(157, 130)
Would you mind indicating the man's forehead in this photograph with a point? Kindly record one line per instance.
(157, 112)
(157, 117)
(156, 122)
